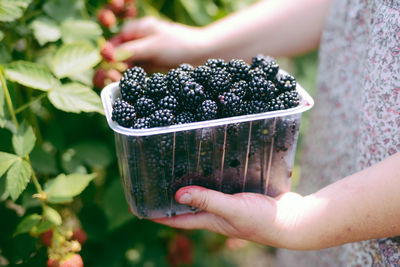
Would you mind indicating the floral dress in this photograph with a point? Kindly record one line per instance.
(356, 119)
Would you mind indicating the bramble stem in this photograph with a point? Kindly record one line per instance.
(26, 105)
(8, 99)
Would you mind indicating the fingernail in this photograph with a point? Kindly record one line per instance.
(185, 199)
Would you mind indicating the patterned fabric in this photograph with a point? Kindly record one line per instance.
(356, 119)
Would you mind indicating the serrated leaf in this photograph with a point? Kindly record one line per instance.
(64, 187)
(74, 58)
(24, 140)
(75, 97)
(52, 215)
(31, 74)
(42, 227)
(9, 10)
(6, 160)
(27, 224)
(61, 10)
(45, 30)
(84, 77)
(77, 30)
(22, 3)
(18, 177)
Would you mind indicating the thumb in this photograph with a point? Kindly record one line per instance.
(208, 200)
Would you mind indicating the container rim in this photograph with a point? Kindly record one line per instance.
(111, 92)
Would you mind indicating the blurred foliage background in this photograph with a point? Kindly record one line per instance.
(82, 143)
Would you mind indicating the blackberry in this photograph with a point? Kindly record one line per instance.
(289, 99)
(184, 117)
(240, 89)
(261, 89)
(192, 95)
(202, 74)
(161, 117)
(144, 107)
(176, 80)
(254, 107)
(286, 82)
(157, 86)
(275, 104)
(207, 110)
(169, 102)
(142, 123)
(239, 69)
(136, 73)
(186, 68)
(230, 104)
(219, 82)
(215, 63)
(267, 64)
(131, 90)
(123, 113)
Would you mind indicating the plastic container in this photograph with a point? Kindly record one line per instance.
(250, 153)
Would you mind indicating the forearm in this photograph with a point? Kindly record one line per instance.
(365, 205)
(274, 27)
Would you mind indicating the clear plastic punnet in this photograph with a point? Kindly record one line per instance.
(249, 153)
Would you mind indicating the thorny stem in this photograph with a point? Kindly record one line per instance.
(26, 105)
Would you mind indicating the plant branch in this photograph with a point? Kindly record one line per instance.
(26, 105)
(8, 98)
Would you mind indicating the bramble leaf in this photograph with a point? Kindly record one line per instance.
(18, 177)
(64, 187)
(75, 97)
(31, 74)
(45, 30)
(77, 30)
(27, 224)
(74, 58)
(24, 140)
(52, 215)
(6, 160)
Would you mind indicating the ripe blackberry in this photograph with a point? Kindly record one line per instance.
(220, 81)
(176, 80)
(123, 113)
(169, 102)
(240, 89)
(184, 117)
(267, 64)
(131, 90)
(186, 68)
(201, 74)
(162, 117)
(215, 63)
(289, 99)
(254, 107)
(275, 104)
(230, 104)
(208, 110)
(192, 95)
(157, 86)
(261, 89)
(286, 82)
(142, 123)
(144, 107)
(135, 73)
(239, 69)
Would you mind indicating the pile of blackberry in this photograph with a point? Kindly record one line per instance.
(217, 89)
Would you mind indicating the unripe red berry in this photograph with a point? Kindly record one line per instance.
(52, 263)
(99, 78)
(46, 237)
(180, 251)
(108, 52)
(107, 18)
(74, 261)
(117, 6)
(130, 12)
(79, 235)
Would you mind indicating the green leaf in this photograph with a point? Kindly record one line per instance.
(61, 10)
(45, 30)
(24, 140)
(77, 30)
(9, 10)
(6, 160)
(74, 58)
(84, 77)
(1, 35)
(22, 3)
(64, 187)
(75, 97)
(5, 56)
(52, 215)
(2, 109)
(200, 11)
(42, 227)
(31, 74)
(27, 224)
(18, 177)
(115, 206)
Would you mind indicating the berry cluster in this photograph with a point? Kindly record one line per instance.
(217, 89)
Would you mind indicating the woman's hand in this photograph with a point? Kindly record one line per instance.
(158, 45)
(249, 216)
